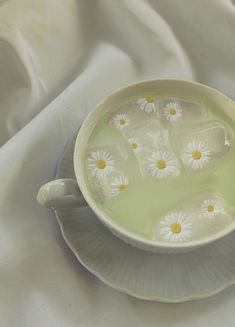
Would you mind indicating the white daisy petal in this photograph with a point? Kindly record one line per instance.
(175, 227)
(100, 163)
(143, 106)
(162, 164)
(121, 121)
(119, 185)
(146, 104)
(150, 107)
(173, 112)
(210, 208)
(197, 155)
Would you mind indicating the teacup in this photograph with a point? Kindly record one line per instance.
(69, 192)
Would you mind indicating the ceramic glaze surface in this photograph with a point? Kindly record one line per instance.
(162, 166)
(161, 277)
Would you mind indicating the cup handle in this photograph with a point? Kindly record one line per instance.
(59, 193)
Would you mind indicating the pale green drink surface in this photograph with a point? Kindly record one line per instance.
(145, 201)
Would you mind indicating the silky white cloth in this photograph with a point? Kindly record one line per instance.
(57, 59)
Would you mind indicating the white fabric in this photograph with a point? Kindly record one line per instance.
(57, 59)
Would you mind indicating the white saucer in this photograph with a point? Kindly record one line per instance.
(160, 277)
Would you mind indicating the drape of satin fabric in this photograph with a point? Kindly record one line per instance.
(57, 59)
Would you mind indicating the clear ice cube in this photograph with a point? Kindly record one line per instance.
(149, 134)
(105, 164)
(199, 217)
(149, 142)
(134, 114)
(156, 158)
(174, 110)
(202, 144)
(159, 163)
(208, 213)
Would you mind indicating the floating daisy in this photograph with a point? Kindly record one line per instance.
(173, 111)
(100, 163)
(135, 145)
(197, 155)
(146, 104)
(211, 208)
(121, 120)
(119, 184)
(175, 227)
(162, 164)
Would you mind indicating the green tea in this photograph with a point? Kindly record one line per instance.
(204, 181)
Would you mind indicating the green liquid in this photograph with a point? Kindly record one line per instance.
(144, 201)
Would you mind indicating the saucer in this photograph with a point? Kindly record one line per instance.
(150, 276)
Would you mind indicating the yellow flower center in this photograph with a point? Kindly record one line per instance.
(122, 121)
(134, 146)
(149, 99)
(100, 164)
(122, 187)
(173, 111)
(161, 164)
(176, 228)
(210, 208)
(196, 155)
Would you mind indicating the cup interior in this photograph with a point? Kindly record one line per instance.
(184, 126)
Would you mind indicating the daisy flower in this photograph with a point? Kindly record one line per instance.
(211, 208)
(119, 184)
(172, 111)
(100, 163)
(135, 145)
(121, 120)
(175, 227)
(146, 104)
(162, 164)
(197, 155)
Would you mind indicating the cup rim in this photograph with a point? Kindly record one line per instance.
(80, 146)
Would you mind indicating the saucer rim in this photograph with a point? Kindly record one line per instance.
(65, 156)
(134, 294)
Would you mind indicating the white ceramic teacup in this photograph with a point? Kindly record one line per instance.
(68, 192)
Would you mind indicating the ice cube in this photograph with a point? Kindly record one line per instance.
(174, 110)
(133, 114)
(150, 144)
(197, 218)
(105, 189)
(202, 144)
(159, 163)
(150, 135)
(105, 165)
(208, 213)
